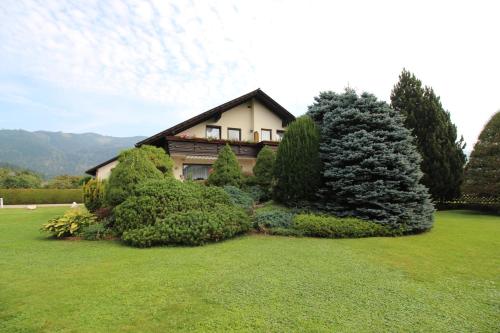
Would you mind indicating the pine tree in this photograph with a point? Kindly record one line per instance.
(442, 154)
(297, 168)
(135, 166)
(226, 169)
(264, 170)
(482, 173)
(370, 164)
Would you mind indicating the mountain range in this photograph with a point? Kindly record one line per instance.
(56, 153)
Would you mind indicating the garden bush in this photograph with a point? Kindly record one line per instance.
(93, 194)
(264, 171)
(193, 227)
(70, 224)
(273, 219)
(336, 227)
(288, 232)
(40, 196)
(239, 197)
(135, 166)
(157, 199)
(226, 169)
(95, 231)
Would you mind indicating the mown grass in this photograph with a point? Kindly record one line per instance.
(445, 280)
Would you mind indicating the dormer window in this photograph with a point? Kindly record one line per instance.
(266, 134)
(213, 132)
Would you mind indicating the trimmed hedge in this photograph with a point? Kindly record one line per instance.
(194, 227)
(40, 196)
(336, 227)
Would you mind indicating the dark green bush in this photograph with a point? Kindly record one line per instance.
(94, 232)
(157, 199)
(336, 227)
(40, 196)
(239, 197)
(257, 193)
(194, 227)
(273, 219)
(93, 194)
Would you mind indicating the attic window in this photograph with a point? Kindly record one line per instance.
(234, 134)
(266, 134)
(213, 132)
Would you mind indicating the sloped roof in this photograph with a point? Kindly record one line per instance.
(258, 94)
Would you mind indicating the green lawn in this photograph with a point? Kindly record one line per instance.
(444, 280)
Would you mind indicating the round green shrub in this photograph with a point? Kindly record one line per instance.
(156, 199)
(193, 227)
(226, 169)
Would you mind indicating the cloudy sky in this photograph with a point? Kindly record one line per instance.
(128, 68)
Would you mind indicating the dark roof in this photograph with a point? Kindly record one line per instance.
(93, 171)
(258, 94)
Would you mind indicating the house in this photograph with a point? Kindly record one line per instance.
(246, 123)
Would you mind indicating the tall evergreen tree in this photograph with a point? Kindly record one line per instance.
(442, 154)
(370, 164)
(264, 169)
(297, 166)
(482, 173)
(226, 169)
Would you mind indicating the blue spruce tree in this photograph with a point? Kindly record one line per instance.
(370, 163)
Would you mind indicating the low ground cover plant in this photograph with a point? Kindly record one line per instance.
(95, 231)
(69, 224)
(277, 218)
(239, 197)
(336, 227)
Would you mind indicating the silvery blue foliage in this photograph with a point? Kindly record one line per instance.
(370, 163)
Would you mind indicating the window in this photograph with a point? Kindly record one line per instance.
(213, 132)
(234, 134)
(279, 135)
(196, 171)
(266, 135)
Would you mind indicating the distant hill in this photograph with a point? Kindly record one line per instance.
(56, 153)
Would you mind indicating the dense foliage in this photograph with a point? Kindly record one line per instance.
(275, 218)
(21, 196)
(65, 181)
(12, 177)
(239, 197)
(226, 169)
(335, 227)
(264, 171)
(371, 167)
(442, 154)
(482, 174)
(93, 194)
(93, 232)
(193, 227)
(156, 199)
(70, 224)
(297, 166)
(136, 165)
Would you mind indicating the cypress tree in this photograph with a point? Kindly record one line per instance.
(370, 164)
(226, 169)
(135, 166)
(297, 168)
(482, 173)
(264, 169)
(442, 154)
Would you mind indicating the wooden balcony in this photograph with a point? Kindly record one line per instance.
(175, 145)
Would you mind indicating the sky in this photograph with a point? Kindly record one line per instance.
(127, 68)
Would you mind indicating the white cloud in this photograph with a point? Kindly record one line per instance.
(193, 55)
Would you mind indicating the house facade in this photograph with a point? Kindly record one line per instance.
(247, 124)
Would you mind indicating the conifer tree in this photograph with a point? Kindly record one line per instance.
(297, 168)
(264, 169)
(482, 173)
(370, 164)
(135, 166)
(226, 169)
(442, 154)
